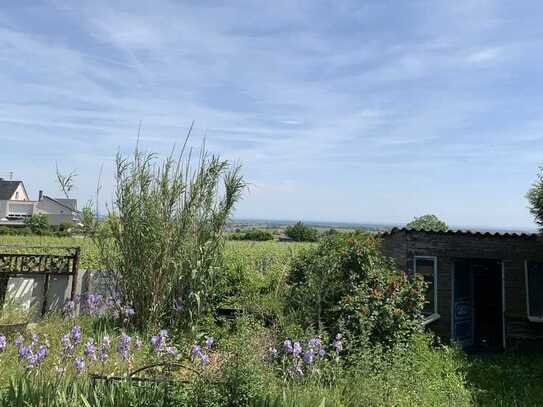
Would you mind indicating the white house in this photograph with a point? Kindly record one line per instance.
(16, 206)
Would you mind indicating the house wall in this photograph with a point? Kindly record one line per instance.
(19, 194)
(56, 214)
(513, 251)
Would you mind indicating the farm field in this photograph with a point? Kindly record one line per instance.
(258, 271)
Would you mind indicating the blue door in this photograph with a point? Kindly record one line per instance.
(463, 304)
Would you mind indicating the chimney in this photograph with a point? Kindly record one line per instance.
(40, 195)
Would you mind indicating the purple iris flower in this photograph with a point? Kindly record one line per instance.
(309, 356)
(93, 303)
(79, 364)
(75, 334)
(3, 343)
(19, 341)
(42, 353)
(296, 349)
(35, 338)
(209, 341)
(287, 346)
(67, 345)
(198, 353)
(25, 352)
(90, 349)
(314, 343)
(123, 347)
(171, 350)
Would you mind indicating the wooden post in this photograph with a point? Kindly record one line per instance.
(75, 266)
(45, 289)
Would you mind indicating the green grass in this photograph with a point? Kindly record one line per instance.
(506, 380)
(257, 254)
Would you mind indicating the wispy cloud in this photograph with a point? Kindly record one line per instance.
(319, 100)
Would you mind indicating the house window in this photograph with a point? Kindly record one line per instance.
(17, 195)
(534, 290)
(427, 267)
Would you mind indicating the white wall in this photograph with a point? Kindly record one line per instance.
(19, 194)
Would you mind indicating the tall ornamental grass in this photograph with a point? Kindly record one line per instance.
(163, 238)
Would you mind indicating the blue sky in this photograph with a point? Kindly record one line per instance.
(368, 111)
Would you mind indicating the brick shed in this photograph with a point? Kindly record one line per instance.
(485, 289)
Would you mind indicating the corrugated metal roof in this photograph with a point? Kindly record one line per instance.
(462, 232)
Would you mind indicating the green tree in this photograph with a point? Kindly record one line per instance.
(301, 233)
(535, 199)
(38, 223)
(429, 223)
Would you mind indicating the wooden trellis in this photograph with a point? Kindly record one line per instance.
(24, 261)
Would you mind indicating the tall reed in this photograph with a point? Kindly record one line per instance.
(163, 238)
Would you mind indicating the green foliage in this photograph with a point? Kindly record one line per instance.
(301, 233)
(257, 235)
(254, 278)
(345, 284)
(412, 374)
(165, 234)
(38, 224)
(535, 199)
(32, 391)
(429, 223)
(246, 375)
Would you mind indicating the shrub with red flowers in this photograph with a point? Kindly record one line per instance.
(345, 284)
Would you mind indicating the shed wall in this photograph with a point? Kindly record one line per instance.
(402, 246)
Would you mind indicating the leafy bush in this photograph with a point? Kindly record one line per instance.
(346, 284)
(301, 233)
(166, 231)
(429, 223)
(256, 235)
(38, 224)
(5, 230)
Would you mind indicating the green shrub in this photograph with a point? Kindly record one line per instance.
(346, 284)
(301, 233)
(256, 235)
(38, 224)
(5, 230)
